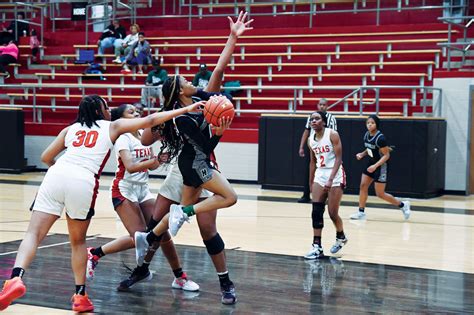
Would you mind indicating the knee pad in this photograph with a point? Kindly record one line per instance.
(317, 215)
(215, 245)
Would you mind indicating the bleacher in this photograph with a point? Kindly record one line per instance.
(279, 68)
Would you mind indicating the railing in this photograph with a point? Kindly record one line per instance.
(463, 46)
(354, 102)
(21, 7)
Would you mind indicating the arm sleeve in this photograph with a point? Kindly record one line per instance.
(187, 127)
(381, 142)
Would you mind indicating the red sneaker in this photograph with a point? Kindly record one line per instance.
(92, 261)
(12, 289)
(81, 303)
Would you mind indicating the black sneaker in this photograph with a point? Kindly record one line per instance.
(304, 199)
(228, 294)
(138, 274)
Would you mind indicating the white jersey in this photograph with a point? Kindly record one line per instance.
(138, 152)
(323, 149)
(88, 148)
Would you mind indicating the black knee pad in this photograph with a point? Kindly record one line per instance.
(215, 245)
(317, 215)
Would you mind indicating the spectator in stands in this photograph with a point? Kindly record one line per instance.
(201, 79)
(331, 123)
(139, 54)
(124, 46)
(34, 45)
(156, 78)
(8, 55)
(21, 27)
(111, 37)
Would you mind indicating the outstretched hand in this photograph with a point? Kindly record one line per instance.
(238, 27)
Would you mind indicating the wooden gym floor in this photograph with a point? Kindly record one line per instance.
(389, 265)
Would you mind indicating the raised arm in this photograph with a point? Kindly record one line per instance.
(122, 126)
(57, 146)
(236, 29)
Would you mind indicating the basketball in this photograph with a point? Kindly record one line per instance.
(218, 107)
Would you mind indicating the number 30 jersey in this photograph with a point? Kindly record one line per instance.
(323, 149)
(86, 147)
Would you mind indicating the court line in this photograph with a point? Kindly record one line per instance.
(51, 245)
(290, 200)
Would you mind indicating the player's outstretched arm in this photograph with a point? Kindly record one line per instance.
(237, 28)
(122, 126)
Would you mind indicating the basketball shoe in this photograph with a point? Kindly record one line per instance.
(315, 252)
(185, 284)
(141, 246)
(12, 289)
(177, 218)
(92, 261)
(340, 242)
(138, 274)
(228, 294)
(81, 303)
(406, 209)
(358, 216)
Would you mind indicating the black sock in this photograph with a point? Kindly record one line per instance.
(152, 237)
(340, 235)
(224, 279)
(178, 272)
(97, 252)
(401, 205)
(151, 224)
(317, 240)
(81, 289)
(361, 209)
(17, 272)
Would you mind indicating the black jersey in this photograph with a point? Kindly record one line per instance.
(373, 145)
(198, 141)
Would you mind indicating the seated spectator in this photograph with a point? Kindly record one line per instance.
(126, 44)
(112, 36)
(95, 68)
(201, 79)
(155, 78)
(23, 27)
(8, 55)
(139, 54)
(34, 45)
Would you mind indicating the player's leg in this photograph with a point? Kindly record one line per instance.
(319, 197)
(334, 201)
(365, 182)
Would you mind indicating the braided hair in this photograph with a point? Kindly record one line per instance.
(171, 142)
(90, 110)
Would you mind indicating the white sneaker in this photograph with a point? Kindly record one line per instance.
(185, 284)
(315, 252)
(406, 209)
(117, 60)
(141, 246)
(358, 216)
(177, 218)
(338, 245)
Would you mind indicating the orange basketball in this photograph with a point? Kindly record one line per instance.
(218, 107)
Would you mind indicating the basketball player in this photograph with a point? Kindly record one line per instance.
(378, 151)
(198, 143)
(322, 106)
(328, 181)
(72, 182)
(134, 202)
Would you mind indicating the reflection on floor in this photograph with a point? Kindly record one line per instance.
(266, 283)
